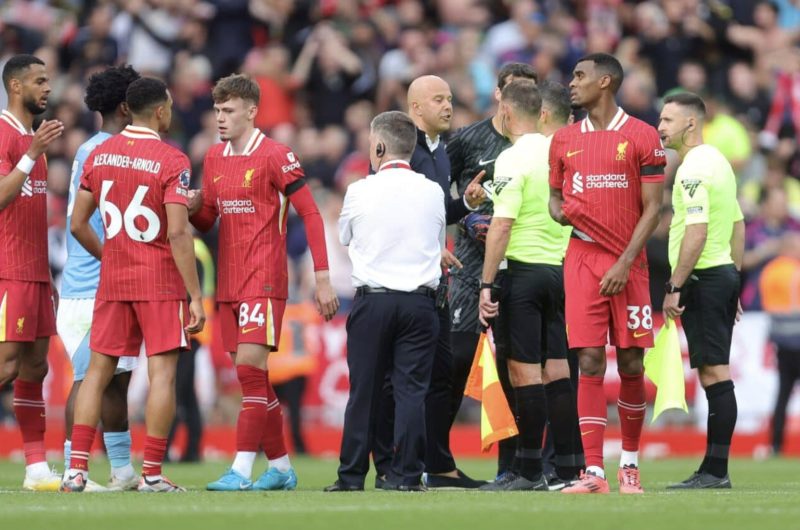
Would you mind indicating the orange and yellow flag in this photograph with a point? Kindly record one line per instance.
(497, 421)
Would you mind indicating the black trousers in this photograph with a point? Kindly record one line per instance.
(390, 333)
(187, 410)
(438, 406)
(788, 375)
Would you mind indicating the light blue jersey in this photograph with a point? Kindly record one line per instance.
(81, 272)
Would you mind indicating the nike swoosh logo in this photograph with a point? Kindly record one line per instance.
(218, 177)
(635, 418)
(243, 486)
(570, 154)
(587, 432)
(483, 162)
(637, 335)
(42, 415)
(245, 331)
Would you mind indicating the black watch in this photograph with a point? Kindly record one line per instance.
(485, 285)
(671, 288)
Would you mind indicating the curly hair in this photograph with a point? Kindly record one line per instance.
(107, 89)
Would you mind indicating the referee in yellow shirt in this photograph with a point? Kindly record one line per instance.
(706, 244)
(532, 297)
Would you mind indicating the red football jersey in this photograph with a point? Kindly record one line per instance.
(248, 193)
(132, 176)
(600, 174)
(23, 223)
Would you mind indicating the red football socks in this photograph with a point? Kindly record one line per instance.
(593, 417)
(30, 412)
(253, 417)
(154, 451)
(82, 439)
(631, 407)
(272, 439)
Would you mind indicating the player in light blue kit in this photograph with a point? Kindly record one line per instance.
(104, 94)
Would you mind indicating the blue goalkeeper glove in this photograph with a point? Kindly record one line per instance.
(476, 226)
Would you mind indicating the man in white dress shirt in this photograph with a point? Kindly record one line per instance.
(393, 323)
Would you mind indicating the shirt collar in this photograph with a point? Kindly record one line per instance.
(396, 163)
(433, 144)
(616, 123)
(12, 120)
(141, 133)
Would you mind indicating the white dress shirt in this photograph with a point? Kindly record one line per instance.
(393, 223)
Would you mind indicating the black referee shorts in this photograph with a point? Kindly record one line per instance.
(711, 298)
(533, 308)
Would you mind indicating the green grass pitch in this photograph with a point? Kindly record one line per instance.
(766, 495)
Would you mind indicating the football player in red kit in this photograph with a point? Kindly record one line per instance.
(140, 184)
(248, 182)
(27, 312)
(606, 180)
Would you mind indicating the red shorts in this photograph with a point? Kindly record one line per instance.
(251, 321)
(624, 320)
(118, 328)
(27, 311)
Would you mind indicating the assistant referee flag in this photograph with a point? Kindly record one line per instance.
(497, 421)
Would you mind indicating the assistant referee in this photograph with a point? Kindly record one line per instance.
(532, 298)
(706, 245)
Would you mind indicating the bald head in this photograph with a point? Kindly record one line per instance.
(430, 104)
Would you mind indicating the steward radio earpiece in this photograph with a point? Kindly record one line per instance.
(380, 149)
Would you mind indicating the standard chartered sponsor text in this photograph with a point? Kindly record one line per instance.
(237, 206)
(126, 162)
(607, 180)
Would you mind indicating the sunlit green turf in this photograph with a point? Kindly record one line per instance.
(766, 495)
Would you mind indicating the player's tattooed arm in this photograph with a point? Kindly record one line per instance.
(11, 184)
(556, 207)
(613, 282)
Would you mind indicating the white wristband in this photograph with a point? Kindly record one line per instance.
(25, 164)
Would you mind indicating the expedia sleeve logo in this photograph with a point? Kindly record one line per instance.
(293, 163)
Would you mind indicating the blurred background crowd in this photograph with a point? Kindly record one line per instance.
(325, 67)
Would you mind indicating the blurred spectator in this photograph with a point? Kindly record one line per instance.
(327, 68)
(269, 67)
(149, 30)
(780, 293)
(94, 45)
(763, 241)
(637, 96)
(748, 102)
(727, 134)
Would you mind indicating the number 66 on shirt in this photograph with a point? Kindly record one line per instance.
(133, 177)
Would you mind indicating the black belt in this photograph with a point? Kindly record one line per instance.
(366, 289)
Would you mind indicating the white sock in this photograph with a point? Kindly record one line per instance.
(37, 470)
(151, 478)
(596, 470)
(282, 464)
(123, 473)
(629, 458)
(243, 463)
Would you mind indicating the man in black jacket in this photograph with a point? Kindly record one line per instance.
(431, 110)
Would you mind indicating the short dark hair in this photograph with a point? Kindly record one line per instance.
(236, 86)
(555, 97)
(16, 65)
(397, 131)
(523, 96)
(518, 70)
(107, 89)
(608, 65)
(145, 93)
(690, 100)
